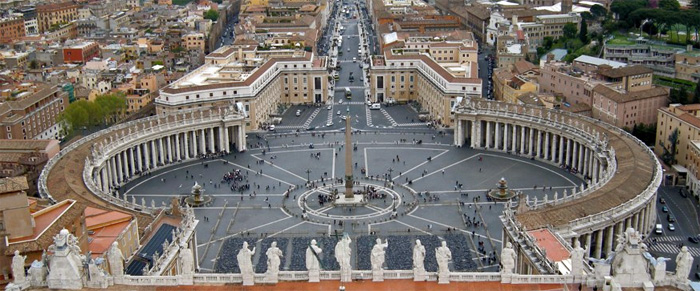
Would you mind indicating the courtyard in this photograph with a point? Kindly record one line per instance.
(422, 188)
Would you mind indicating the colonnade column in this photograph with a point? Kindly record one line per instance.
(531, 141)
(212, 145)
(546, 145)
(139, 160)
(194, 143)
(110, 172)
(160, 151)
(241, 138)
(514, 146)
(170, 149)
(187, 145)
(120, 173)
(497, 129)
(505, 137)
(522, 140)
(227, 144)
(202, 143)
(488, 135)
(103, 180)
(153, 154)
(598, 243)
(177, 147)
(539, 143)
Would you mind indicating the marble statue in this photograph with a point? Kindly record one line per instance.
(377, 257)
(684, 262)
(629, 266)
(418, 262)
(186, 260)
(443, 255)
(97, 278)
(343, 253)
(313, 261)
(116, 260)
(658, 265)
(577, 256)
(273, 263)
(37, 273)
(245, 264)
(18, 267)
(66, 265)
(508, 259)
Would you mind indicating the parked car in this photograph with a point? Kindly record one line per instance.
(662, 201)
(664, 209)
(671, 218)
(693, 239)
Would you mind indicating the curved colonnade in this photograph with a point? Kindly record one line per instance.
(622, 173)
(93, 168)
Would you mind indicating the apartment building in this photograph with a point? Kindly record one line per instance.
(437, 74)
(81, 52)
(193, 41)
(52, 14)
(11, 29)
(256, 81)
(26, 158)
(659, 57)
(693, 167)
(32, 112)
(623, 96)
(514, 81)
(686, 120)
(687, 65)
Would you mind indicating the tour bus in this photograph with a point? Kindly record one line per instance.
(348, 93)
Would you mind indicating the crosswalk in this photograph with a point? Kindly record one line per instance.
(411, 124)
(670, 238)
(388, 117)
(351, 103)
(311, 118)
(672, 249)
(329, 119)
(289, 127)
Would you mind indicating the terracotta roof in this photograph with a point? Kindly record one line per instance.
(479, 11)
(531, 98)
(48, 222)
(624, 71)
(96, 218)
(436, 67)
(13, 184)
(24, 144)
(102, 238)
(689, 107)
(522, 66)
(629, 96)
(544, 238)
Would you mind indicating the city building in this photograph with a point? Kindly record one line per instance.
(51, 15)
(193, 41)
(681, 121)
(32, 113)
(26, 158)
(257, 80)
(436, 73)
(81, 52)
(687, 65)
(12, 29)
(105, 227)
(657, 56)
(514, 81)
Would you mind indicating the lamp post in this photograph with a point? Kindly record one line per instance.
(308, 172)
(390, 170)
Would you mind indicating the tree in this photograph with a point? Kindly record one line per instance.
(671, 5)
(678, 96)
(695, 4)
(696, 93)
(211, 14)
(33, 65)
(583, 35)
(599, 11)
(570, 30)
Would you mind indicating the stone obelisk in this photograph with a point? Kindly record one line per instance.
(348, 160)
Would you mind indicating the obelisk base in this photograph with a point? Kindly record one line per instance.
(355, 200)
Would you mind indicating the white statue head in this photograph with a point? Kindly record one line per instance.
(16, 253)
(684, 249)
(577, 244)
(313, 242)
(509, 245)
(417, 242)
(245, 244)
(379, 240)
(274, 244)
(444, 243)
(115, 244)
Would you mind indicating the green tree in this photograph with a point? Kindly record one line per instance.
(211, 14)
(695, 4)
(671, 5)
(696, 93)
(583, 34)
(570, 30)
(679, 95)
(599, 11)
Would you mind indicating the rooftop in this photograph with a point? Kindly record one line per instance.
(546, 240)
(598, 61)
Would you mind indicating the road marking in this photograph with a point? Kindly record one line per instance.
(223, 238)
(165, 172)
(251, 170)
(445, 225)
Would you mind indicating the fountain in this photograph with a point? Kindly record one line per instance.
(502, 192)
(197, 198)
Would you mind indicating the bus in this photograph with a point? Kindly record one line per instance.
(348, 93)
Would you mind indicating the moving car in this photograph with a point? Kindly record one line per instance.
(659, 229)
(272, 128)
(664, 209)
(693, 239)
(375, 106)
(671, 227)
(298, 113)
